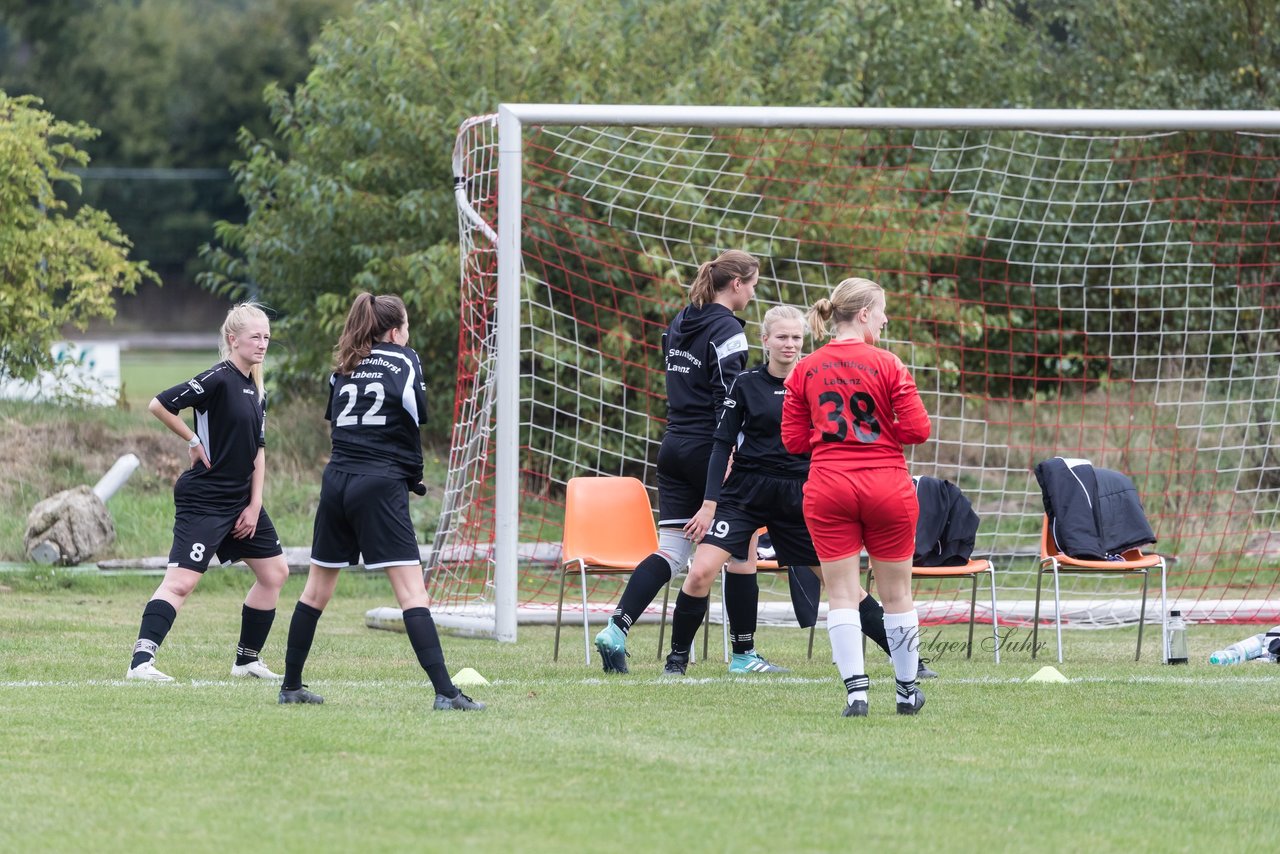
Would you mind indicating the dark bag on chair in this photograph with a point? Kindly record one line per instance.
(947, 528)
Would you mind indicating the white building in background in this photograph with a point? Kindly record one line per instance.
(83, 373)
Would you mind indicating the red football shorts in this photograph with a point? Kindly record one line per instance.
(847, 510)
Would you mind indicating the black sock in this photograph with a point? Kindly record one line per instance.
(425, 641)
(741, 601)
(872, 614)
(255, 625)
(302, 631)
(688, 616)
(157, 619)
(643, 587)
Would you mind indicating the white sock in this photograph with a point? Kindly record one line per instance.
(903, 633)
(844, 626)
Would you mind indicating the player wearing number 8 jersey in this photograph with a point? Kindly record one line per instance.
(853, 406)
(377, 400)
(218, 500)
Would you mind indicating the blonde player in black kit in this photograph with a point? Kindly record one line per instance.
(377, 400)
(218, 501)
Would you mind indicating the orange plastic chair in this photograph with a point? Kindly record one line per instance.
(971, 570)
(1052, 559)
(608, 529)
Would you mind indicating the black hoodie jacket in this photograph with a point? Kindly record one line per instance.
(705, 349)
(1094, 513)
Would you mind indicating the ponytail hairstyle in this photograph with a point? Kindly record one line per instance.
(850, 297)
(715, 276)
(776, 314)
(238, 319)
(368, 320)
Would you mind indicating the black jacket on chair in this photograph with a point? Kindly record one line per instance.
(1094, 513)
(947, 528)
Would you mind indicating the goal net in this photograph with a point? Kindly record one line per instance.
(1107, 292)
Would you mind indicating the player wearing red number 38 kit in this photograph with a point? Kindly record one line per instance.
(852, 406)
(860, 407)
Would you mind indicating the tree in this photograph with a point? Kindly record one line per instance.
(1153, 54)
(55, 268)
(352, 192)
(169, 84)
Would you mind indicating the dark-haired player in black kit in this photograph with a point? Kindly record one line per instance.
(704, 349)
(377, 402)
(218, 501)
(766, 488)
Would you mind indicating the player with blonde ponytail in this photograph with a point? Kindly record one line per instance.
(852, 406)
(218, 500)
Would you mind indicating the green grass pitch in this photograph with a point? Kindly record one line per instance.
(1125, 757)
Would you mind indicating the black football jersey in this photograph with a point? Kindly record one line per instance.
(751, 422)
(375, 413)
(704, 349)
(230, 418)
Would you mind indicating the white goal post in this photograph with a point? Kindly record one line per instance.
(498, 613)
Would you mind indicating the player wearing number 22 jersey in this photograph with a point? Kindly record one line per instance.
(375, 412)
(853, 407)
(377, 400)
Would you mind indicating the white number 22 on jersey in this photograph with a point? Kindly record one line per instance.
(371, 418)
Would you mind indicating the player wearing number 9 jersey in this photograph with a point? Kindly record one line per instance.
(377, 400)
(853, 406)
(764, 488)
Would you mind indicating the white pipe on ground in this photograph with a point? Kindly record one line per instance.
(116, 477)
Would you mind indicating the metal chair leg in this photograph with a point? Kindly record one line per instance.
(724, 617)
(1142, 613)
(1057, 608)
(706, 627)
(1035, 619)
(1164, 611)
(586, 632)
(867, 590)
(995, 616)
(559, 612)
(973, 605)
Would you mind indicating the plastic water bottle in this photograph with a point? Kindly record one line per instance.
(1249, 648)
(1177, 639)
